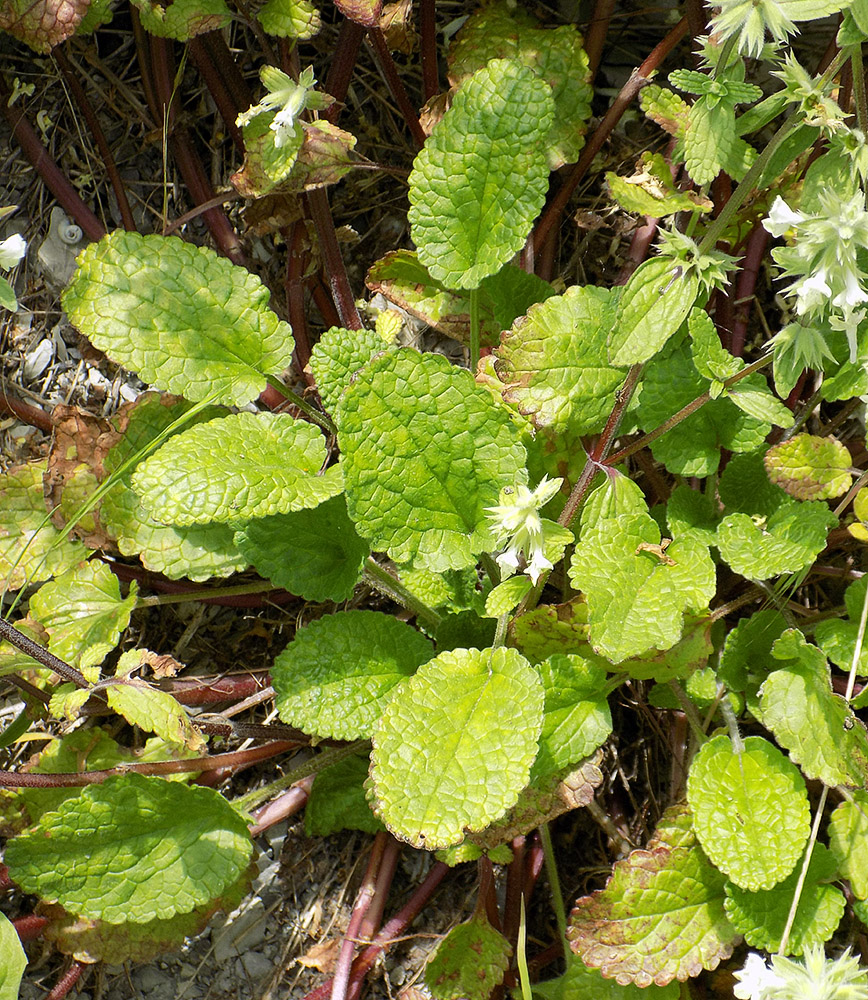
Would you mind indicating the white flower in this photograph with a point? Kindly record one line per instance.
(12, 249)
(754, 979)
(781, 218)
(286, 97)
(516, 521)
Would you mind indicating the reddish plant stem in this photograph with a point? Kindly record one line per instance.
(325, 304)
(396, 86)
(24, 411)
(29, 928)
(40, 654)
(341, 67)
(596, 34)
(393, 929)
(78, 779)
(295, 268)
(199, 691)
(154, 581)
(534, 862)
(66, 982)
(639, 78)
(487, 899)
(428, 49)
(696, 18)
(363, 902)
(162, 72)
(514, 885)
(336, 272)
(744, 288)
(52, 176)
(286, 804)
(5, 881)
(218, 87)
(93, 124)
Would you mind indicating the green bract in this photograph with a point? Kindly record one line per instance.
(482, 176)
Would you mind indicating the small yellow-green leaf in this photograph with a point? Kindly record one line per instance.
(810, 467)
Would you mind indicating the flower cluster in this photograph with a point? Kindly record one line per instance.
(288, 99)
(824, 259)
(516, 521)
(815, 978)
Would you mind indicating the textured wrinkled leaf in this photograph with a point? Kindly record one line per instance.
(576, 717)
(266, 164)
(424, 452)
(481, 178)
(692, 447)
(651, 190)
(787, 541)
(637, 596)
(13, 960)
(337, 800)
(183, 19)
(848, 840)
(745, 487)
(665, 108)
(506, 596)
(837, 637)
(810, 467)
(31, 549)
(197, 552)
(259, 464)
(42, 24)
(366, 12)
(182, 317)
(469, 962)
(689, 512)
(316, 554)
(555, 365)
(133, 849)
(549, 629)
(337, 356)
(659, 918)
(84, 613)
(816, 726)
(710, 358)
(708, 140)
(690, 653)
(543, 801)
(750, 810)
(762, 916)
(502, 31)
(654, 303)
(297, 19)
(754, 397)
(337, 675)
(454, 590)
(150, 709)
(447, 758)
(503, 296)
(746, 653)
(581, 983)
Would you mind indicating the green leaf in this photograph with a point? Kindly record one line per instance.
(808, 467)
(837, 637)
(745, 486)
(315, 553)
(337, 800)
(469, 962)
(181, 317)
(555, 363)
(424, 452)
(464, 630)
(337, 675)
(754, 397)
(506, 596)
(502, 31)
(183, 19)
(692, 447)
(7, 299)
(762, 916)
(481, 178)
(581, 983)
(848, 840)
(710, 358)
(13, 960)
(816, 726)
(198, 552)
(653, 305)
(31, 548)
(447, 757)
(297, 19)
(689, 512)
(750, 810)
(665, 108)
(651, 190)
(747, 651)
(550, 629)
(576, 716)
(689, 654)
(337, 356)
(659, 918)
(133, 849)
(503, 296)
(709, 139)
(147, 707)
(258, 464)
(454, 590)
(785, 542)
(637, 594)
(83, 613)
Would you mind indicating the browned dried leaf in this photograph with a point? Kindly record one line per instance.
(322, 956)
(397, 24)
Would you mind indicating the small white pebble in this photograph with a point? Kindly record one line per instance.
(38, 359)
